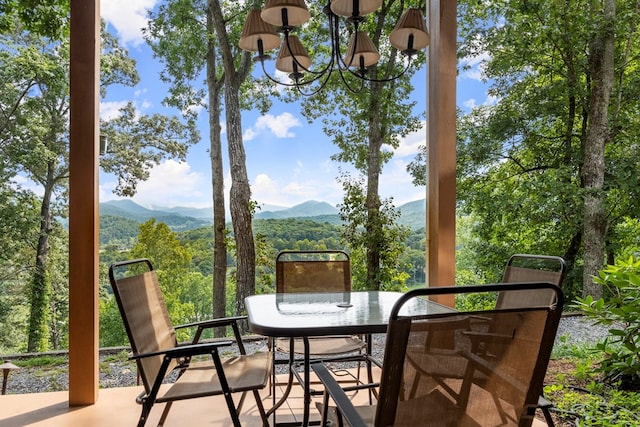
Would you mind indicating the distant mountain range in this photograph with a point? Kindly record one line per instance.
(412, 214)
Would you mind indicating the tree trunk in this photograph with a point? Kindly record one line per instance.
(601, 56)
(217, 178)
(240, 198)
(40, 286)
(374, 224)
(240, 194)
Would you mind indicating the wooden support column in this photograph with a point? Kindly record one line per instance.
(441, 142)
(83, 202)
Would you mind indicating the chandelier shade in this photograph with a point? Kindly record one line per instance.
(285, 13)
(356, 67)
(362, 52)
(288, 56)
(357, 8)
(410, 32)
(256, 31)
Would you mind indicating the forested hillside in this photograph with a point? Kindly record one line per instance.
(119, 219)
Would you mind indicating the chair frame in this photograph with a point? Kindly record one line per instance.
(514, 273)
(179, 357)
(342, 285)
(395, 353)
(517, 270)
(281, 286)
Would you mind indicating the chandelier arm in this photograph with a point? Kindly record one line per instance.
(318, 89)
(335, 38)
(319, 73)
(346, 83)
(387, 79)
(297, 84)
(273, 79)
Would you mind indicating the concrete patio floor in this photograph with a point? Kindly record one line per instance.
(117, 407)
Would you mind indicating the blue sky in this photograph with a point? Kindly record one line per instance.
(288, 159)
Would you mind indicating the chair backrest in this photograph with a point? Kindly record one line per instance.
(531, 268)
(144, 313)
(313, 271)
(466, 376)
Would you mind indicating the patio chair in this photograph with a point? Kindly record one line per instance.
(317, 271)
(531, 268)
(157, 352)
(499, 374)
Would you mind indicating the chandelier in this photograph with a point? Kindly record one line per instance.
(260, 34)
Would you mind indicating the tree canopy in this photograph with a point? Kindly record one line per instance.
(523, 168)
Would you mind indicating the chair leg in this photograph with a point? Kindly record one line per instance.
(225, 387)
(165, 412)
(547, 416)
(144, 415)
(241, 402)
(263, 414)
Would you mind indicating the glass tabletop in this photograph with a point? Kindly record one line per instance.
(317, 314)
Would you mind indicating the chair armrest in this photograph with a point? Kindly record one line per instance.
(212, 323)
(185, 350)
(345, 407)
(489, 368)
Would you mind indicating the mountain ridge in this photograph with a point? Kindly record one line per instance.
(412, 214)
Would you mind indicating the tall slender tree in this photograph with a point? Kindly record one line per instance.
(196, 39)
(601, 70)
(35, 144)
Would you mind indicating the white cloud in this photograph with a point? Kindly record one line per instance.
(249, 134)
(20, 181)
(266, 189)
(470, 103)
(111, 109)
(105, 190)
(170, 183)
(409, 145)
(280, 126)
(491, 100)
(395, 182)
(128, 17)
(476, 66)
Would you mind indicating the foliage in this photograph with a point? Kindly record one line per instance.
(367, 123)
(520, 154)
(47, 18)
(34, 135)
(620, 310)
(112, 332)
(20, 219)
(361, 236)
(42, 362)
(585, 409)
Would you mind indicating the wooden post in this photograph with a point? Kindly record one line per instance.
(83, 202)
(441, 158)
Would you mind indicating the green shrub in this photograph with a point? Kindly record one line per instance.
(584, 407)
(45, 361)
(620, 311)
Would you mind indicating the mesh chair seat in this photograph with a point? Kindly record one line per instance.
(243, 373)
(320, 346)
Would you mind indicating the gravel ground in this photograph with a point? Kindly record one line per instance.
(114, 372)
